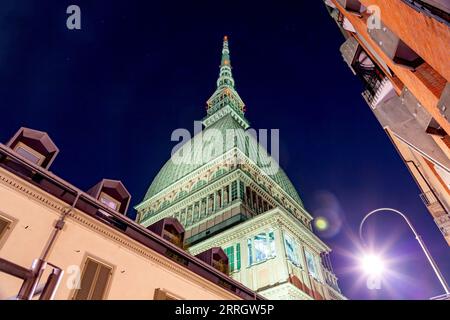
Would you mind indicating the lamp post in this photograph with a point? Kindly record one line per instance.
(418, 238)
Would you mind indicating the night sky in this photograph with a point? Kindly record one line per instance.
(111, 94)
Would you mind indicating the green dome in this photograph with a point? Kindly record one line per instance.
(172, 172)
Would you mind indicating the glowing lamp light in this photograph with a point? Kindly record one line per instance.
(321, 223)
(372, 264)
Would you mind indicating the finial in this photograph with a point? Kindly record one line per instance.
(225, 38)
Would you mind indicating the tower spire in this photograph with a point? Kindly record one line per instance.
(225, 75)
(225, 100)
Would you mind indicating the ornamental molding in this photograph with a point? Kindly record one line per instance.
(275, 218)
(250, 172)
(19, 185)
(255, 173)
(285, 291)
(222, 112)
(180, 184)
(57, 206)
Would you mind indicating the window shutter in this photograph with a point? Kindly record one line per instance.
(238, 256)
(103, 273)
(94, 281)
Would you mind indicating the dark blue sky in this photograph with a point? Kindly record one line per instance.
(111, 94)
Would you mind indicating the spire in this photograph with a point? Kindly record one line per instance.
(225, 75)
(225, 100)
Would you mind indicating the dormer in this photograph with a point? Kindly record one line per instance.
(216, 258)
(112, 194)
(35, 146)
(170, 229)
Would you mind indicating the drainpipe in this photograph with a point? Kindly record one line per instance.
(58, 227)
(29, 286)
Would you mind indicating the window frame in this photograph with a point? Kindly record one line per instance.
(10, 223)
(270, 246)
(30, 150)
(109, 198)
(295, 250)
(99, 261)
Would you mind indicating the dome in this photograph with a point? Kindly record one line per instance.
(172, 172)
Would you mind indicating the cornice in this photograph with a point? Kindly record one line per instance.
(276, 217)
(56, 206)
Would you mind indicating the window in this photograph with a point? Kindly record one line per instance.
(203, 207)
(211, 203)
(218, 199)
(291, 249)
(29, 154)
(189, 216)
(94, 281)
(233, 190)
(196, 211)
(161, 294)
(110, 202)
(261, 247)
(4, 225)
(241, 190)
(234, 257)
(311, 264)
(226, 195)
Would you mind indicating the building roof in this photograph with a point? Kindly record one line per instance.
(84, 202)
(172, 171)
(225, 112)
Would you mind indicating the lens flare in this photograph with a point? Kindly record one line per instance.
(321, 223)
(372, 264)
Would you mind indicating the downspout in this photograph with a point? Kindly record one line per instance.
(29, 286)
(58, 227)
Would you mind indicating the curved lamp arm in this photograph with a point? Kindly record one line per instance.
(418, 238)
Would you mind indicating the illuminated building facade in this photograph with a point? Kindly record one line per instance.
(59, 242)
(400, 50)
(228, 192)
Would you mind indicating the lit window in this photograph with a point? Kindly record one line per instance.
(108, 201)
(261, 247)
(291, 249)
(29, 153)
(311, 264)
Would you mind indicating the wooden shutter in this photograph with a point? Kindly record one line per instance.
(94, 281)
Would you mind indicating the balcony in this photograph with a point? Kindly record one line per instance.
(440, 215)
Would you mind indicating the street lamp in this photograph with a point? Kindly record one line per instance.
(375, 264)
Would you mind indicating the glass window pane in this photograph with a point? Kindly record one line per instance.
(272, 244)
(311, 264)
(27, 155)
(109, 203)
(261, 248)
(291, 249)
